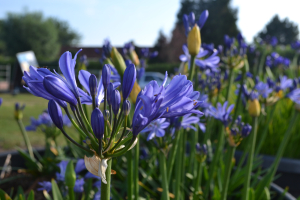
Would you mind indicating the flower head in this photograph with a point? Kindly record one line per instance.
(156, 128)
(221, 112)
(45, 185)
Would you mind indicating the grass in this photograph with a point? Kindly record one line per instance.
(10, 135)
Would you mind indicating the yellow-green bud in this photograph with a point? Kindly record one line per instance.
(134, 58)
(254, 108)
(194, 41)
(70, 176)
(134, 92)
(118, 61)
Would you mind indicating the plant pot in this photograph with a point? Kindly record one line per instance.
(288, 172)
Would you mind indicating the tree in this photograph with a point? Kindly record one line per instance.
(285, 31)
(161, 46)
(66, 36)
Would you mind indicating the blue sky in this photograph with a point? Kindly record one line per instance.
(124, 20)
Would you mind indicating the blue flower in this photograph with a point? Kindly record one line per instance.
(284, 83)
(78, 188)
(34, 81)
(106, 72)
(67, 67)
(221, 112)
(128, 80)
(263, 89)
(62, 166)
(45, 185)
(55, 113)
(186, 56)
(294, 95)
(1, 100)
(153, 102)
(97, 195)
(97, 122)
(209, 63)
(239, 76)
(115, 101)
(202, 149)
(189, 21)
(87, 98)
(156, 128)
(146, 54)
(80, 166)
(188, 120)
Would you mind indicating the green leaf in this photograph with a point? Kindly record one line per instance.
(55, 191)
(251, 194)
(4, 196)
(266, 194)
(31, 195)
(20, 193)
(217, 194)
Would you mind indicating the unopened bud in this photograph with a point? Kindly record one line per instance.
(254, 107)
(118, 61)
(126, 107)
(93, 85)
(194, 41)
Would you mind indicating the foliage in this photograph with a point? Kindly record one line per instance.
(284, 30)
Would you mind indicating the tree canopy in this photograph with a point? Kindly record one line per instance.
(284, 30)
(31, 31)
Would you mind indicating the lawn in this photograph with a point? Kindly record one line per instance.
(10, 135)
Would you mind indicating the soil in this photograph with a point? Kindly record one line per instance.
(27, 182)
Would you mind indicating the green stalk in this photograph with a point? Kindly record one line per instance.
(192, 68)
(192, 167)
(26, 138)
(215, 161)
(178, 169)
(105, 188)
(229, 84)
(252, 140)
(71, 194)
(197, 183)
(129, 175)
(261, 64)
(228, 167)
(84, 117)
(163, 170)
(136, 169)
(264, 133)
(272, 170)
(172, 155)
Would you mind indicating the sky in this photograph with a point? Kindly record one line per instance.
(139, 20)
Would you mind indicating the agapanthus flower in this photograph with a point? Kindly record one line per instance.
(239, 76)
(45, 120)
(45, 185)
(209, 63)
(263, 89)
(275, 60)
(78, 188)
(86, 98)
(34, 80)
(283, 83)
(156, 128)
(146, 54)
(296, 45)
(62, 166)
(189, 21)
(1, 100)
(228, 41)
(155, 102)
(221, 113)
(188, 121)
(80, 166)
(186, 56)
(201, 149)
(294, 95)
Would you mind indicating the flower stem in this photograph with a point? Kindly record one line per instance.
(163, 170)
(197, 182)
(136, 169)
(228, 167)
(265, 130)
(71, 194)
(26, 139)
(172, 155)
(178, 168)
(192, 68)
(214, 161)
(252, 140)
(129, 176)
(229, 84)
(105, 188)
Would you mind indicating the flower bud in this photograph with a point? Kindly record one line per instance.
(254, 107)
(134, 58)
(55, 113)
(246, 130)
(110, 90)
(128, 80)
(93, 85)
(97, 122)
(18, 111)
(115, 101)
(106, 114)
(59, 89)
(126, 107)
(194, 41)
(70, 176)
(118, 61)
(106, 72)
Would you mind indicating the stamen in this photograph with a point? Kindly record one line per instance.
(141, 108)
(167, 109)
